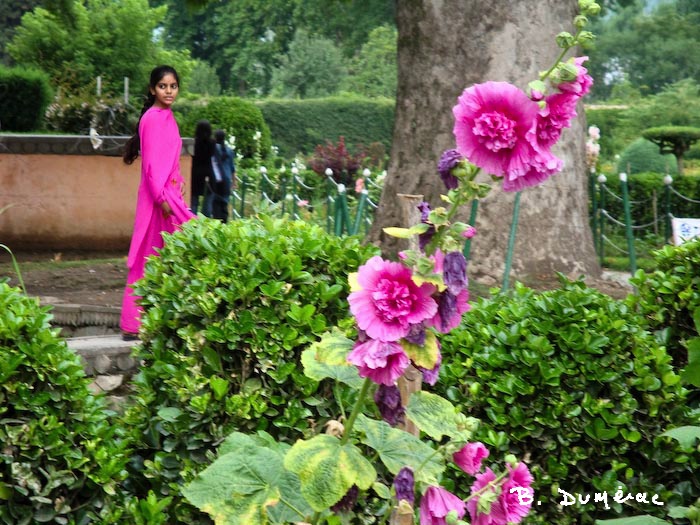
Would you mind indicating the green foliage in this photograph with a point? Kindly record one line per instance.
(312, 67)
(228, 310)
(373, 72)
(111, 39)
(614, 136)
(239, 118)
(300, 125)
(76, 115)
(668, 296)
(644, 156)
(569, 379)
(61, 459)
(25, 95)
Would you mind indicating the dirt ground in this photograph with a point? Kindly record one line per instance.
(91, 278)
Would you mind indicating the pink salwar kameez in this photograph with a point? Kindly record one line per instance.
(160, 182)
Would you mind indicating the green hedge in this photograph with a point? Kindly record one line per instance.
(570, 380)
(24, 96)
(643, 188)
(298, 126)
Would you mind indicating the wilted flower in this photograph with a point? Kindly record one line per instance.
(436, 503)
(470, 456)
(404, 485)
(449, 160)
(348, 501)
(388, 400)
(389, 301)
(454, 272)
(424, 238)
(382, 362)
(450, 310)
(431, 376)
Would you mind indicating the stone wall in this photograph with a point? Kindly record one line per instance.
(57, 192)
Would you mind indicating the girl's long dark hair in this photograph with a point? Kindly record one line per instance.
(133, 145)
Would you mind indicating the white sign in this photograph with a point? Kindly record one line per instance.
(685, 229)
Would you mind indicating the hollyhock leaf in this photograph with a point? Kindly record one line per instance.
(327, 359)
(435, 416)
(327, 469)
(249, 485)
(400, 233)
(397, 449)
(352, 281)
(425, 356)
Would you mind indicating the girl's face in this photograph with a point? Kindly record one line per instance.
(166, 91)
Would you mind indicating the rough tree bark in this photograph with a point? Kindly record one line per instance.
(445, 46)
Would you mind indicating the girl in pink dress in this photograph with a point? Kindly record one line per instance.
(160, 206)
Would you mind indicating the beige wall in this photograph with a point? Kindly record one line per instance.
(68, 201)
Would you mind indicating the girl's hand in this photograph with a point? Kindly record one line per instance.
(167, 210)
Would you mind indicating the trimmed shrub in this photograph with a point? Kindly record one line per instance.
(60, 459)
(668, 296)
(236, 116)
(298, 126)
(644, 156)
(228, 309)
(571, 381)
(24, 96)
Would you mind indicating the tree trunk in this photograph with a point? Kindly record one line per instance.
(445, 46)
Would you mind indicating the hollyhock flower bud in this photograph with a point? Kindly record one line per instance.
(470, 456)
(347, 502)
(436, 503)
(388, 400)
(454, 272)
(469, 232)
(404, 485)
(449, 160)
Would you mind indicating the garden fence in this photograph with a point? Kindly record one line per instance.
(662, 205)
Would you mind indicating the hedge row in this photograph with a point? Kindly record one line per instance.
(24, 96)
(300, 125)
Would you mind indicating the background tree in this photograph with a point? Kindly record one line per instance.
(11, 12)
(445, 46)
(372, 72)
(204, 80)
(313, 67)
(676, 140)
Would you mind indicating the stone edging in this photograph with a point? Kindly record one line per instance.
(110, 146)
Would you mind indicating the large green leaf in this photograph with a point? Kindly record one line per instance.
(248, 485)
(685, 435)
(634, 520)
(327, 359)
(436, 416)
(328, 469)
(398, 449)
(691, 373)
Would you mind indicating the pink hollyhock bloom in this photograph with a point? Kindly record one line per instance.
(303, 203)
(389, 301)
(516, 508)
(583, 82)
(479, 515)
(494, 128)
(359, 185)
(543, 165)
(470, 456)
(558, 113)
(449, 311)
(436, 503)
(382, 362)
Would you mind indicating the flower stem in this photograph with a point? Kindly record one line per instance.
(489, 485)
(356, 410)
(560, 57)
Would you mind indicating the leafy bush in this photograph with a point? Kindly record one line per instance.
(24, 96)
(60, 459)
(668, 296)
(643, 156)
(336, 157)
(238, 117)
(228, 310)
(297, 126)
(76, 115)
(569, 379)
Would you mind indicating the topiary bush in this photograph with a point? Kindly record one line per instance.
(668, 296)
(569, 380)
(17, 86)
(643, 156)
(228, 310)
(60, 458)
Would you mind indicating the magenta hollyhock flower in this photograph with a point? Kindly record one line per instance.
(388, 401)
(381, 361)
(470, 456)
(449, 160)
(583, 82)
(480, 516)
(449, 311)
(404, 485)
(516, 508)
(543, 165)
(436, 503)
(494, 128)
(389, 301)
